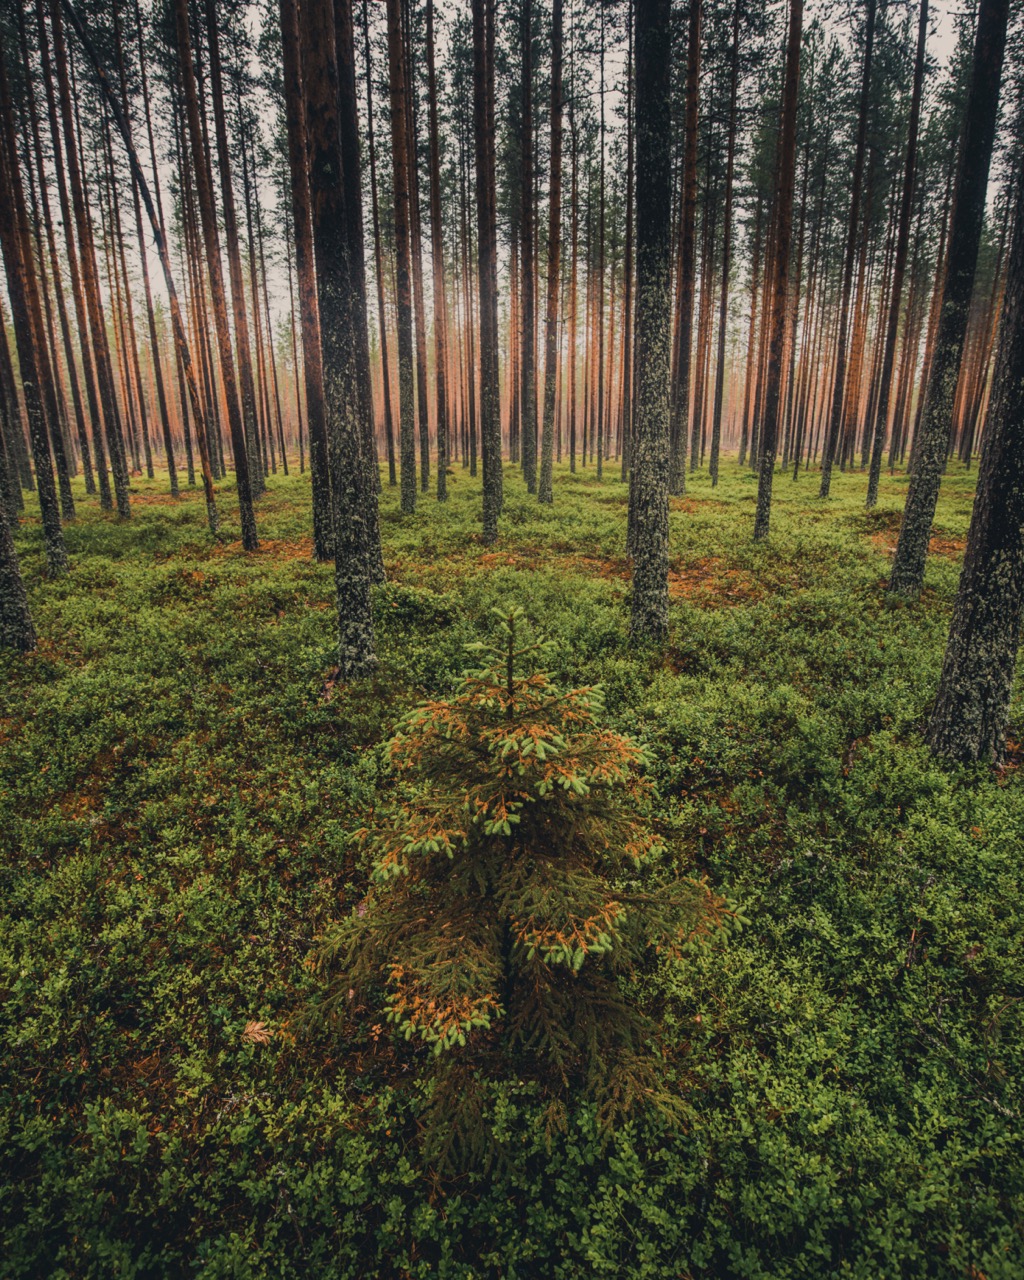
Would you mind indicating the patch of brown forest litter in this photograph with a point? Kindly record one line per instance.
(939, 544)
(269, 549)
(707, 582)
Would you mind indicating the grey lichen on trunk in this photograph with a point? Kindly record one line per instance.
(649, 476)
(969, 720)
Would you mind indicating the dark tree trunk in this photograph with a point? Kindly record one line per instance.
(899, 264)
(341, 312)
(527, 317)
(487, 250)
(973, 703)
(26, 314)
(649, 476)
(90, 277)
(358, 334)
(437, 254)
(968, 215)
(723, 303)
(545, 491)
(378, 258)
(55, 272)
(687, 258)
(211, 239)
(238, 309)
(158, 373)
(780, 271)
(839, 385)
(309, 313)
(403, 257)
(16, 629)
(185, 360)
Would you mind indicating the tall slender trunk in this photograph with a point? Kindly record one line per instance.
(487, 251)
(687, 256)
(305, 269)
(378, 257)
(239, 314)
(839, 386)
(211, 238)
(961, 260)
(528, 319)
(780, 270)
(723, 302)
(26, 314)
(403, 256)
(437, 254)
(899, 264)
(545, 491)
(330, 97)
(650, 474)
(90, 276)
(138, 177)
(971, 710)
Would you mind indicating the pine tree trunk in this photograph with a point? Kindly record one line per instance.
(487, 252)
(545, 492)
(964, 237)
(723, 302)
(437, 254)
(90, 276)
(969, 720)
(305, 267)
(338, 250)
(378, 258)
(839, 385)
(650, 473)
(27, 329)
(780, 271)
(899, 264)
(211, 238)
(528, 320)
(403, 257)
(687, 257)
(246, 385)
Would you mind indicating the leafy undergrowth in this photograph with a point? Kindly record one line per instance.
(179, 775)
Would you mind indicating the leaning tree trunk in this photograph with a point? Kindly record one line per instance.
(90, 275)
(972, 707)
(309, 313)
(649, 476)
(185, 360)
(545, 492)
(964, 238)
(780, 271)
(27, 330)
(211, 239)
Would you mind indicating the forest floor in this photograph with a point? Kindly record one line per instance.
(179, 770)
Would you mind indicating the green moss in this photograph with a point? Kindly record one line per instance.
(178, 772)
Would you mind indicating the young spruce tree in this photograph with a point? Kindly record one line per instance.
(516, 886)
